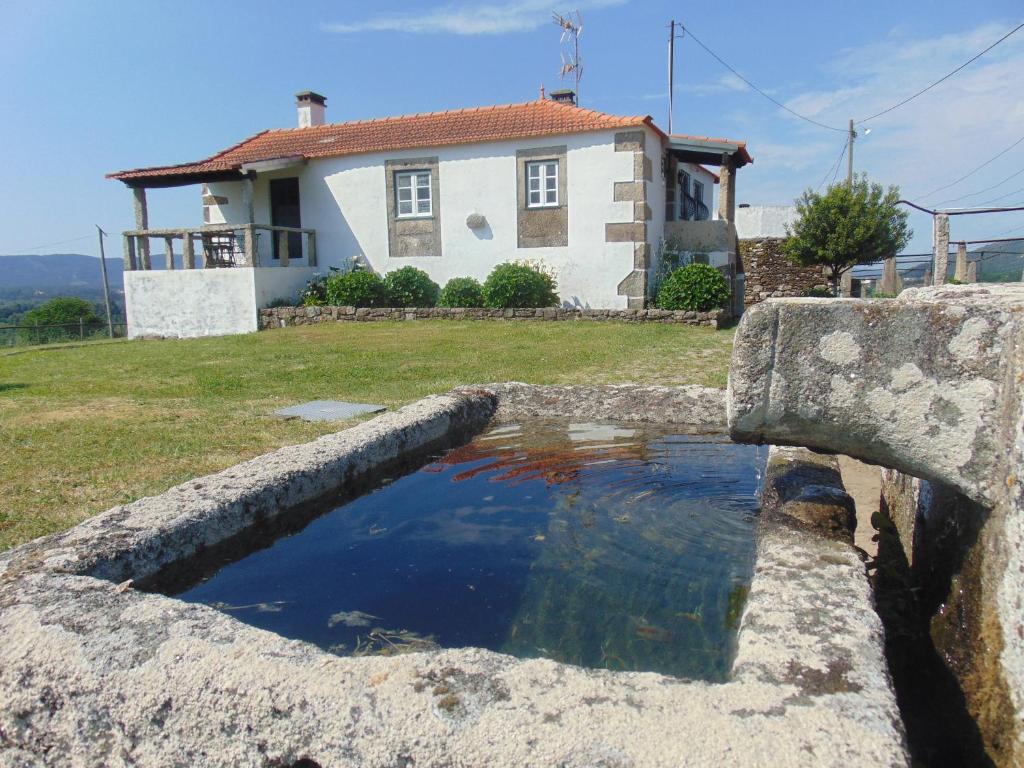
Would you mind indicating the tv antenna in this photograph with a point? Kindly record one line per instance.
(572, 27)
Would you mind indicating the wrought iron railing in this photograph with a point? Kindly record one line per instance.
(694, 209)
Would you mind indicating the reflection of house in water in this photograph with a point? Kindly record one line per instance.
(547, 456)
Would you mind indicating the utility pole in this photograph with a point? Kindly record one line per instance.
(671, 68)
(849, 154)
(106, 287)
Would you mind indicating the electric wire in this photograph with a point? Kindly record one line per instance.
(981, 191)
(832, 168)
(773, 100)
(944, 77)
(59, 242)
(971, 173)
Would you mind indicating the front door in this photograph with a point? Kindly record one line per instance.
(284, 212)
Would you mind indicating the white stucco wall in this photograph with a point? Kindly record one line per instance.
(344, 199)
(189, 303)
(272, 283)
(764, 220)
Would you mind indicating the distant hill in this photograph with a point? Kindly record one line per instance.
(58, 273)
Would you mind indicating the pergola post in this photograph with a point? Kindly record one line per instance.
(940, 241)
(169, 252)
(250, 245)
(282, 247)
(188, 252)
(142, 223)
(248, 193)
(129, 253)
(727, 189)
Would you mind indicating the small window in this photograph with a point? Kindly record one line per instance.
(684, 182)
(412, 194)
(698, 191)
(542, 184)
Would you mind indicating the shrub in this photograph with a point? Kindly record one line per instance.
(817, 293)
(695, 287)
(315, 292)
(411, 287)
(70, 314)
(513, 285)
(357, 288)
(462, 292)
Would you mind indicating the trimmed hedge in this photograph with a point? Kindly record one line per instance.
(357, 288)
(411, 287)
(462, 292)
(695, 287)
(518, 286)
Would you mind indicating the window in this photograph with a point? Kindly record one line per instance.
(684, 183)
(698, 191)
(542, 184)
(412, 190)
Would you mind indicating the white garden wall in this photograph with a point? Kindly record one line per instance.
(205, 302)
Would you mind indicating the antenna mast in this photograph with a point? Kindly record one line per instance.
(671, 68)
(572, 27)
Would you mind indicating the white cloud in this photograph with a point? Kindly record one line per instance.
(464, 19)
(724, 83)
(927, 143)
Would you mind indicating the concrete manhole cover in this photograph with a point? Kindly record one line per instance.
(327, 410)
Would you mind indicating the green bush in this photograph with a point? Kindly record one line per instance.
(817, 293)
(315, 292)
(462, 292)
(69, 314)
(513, 285)
(357, 288)
(411, 287)
(695, 287)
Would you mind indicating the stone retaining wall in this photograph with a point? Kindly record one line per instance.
(280, 317)
(770, 275)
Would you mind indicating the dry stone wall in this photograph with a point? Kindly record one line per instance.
(770, 275)
(281, 317)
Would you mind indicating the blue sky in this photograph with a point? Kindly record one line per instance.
(93, 87)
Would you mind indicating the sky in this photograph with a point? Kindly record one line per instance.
(93, 87)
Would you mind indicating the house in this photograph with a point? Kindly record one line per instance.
(589, 195)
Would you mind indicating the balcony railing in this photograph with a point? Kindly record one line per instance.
(221, 245)
(694, 209)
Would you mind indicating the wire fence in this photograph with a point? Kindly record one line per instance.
(31, 335)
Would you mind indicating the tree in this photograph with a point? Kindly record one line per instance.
(62, 311)
(858, 223)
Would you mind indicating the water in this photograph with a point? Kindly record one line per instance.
(604, 545)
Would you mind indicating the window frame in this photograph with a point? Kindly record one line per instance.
(414, 199)
(698, 187)
(547, 183)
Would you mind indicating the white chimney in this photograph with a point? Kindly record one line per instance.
(312, 108)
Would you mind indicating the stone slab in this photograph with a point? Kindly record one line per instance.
(930, 384)
(328, 410)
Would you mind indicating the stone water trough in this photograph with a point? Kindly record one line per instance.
(96, 672)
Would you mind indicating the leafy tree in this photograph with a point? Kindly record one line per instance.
(58, 319)
(64, 310)
(850, 224)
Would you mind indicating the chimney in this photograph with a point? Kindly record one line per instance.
(312, 108)
(564, 96)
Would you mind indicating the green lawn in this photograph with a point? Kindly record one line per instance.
(88, 427)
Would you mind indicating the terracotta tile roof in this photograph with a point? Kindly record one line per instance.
(432, 129)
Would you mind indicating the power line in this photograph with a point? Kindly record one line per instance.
(981, 191)
(971, 173)
(944, 77)
(1003, 197)
(834, 168)
(59, 242)
(773, 100)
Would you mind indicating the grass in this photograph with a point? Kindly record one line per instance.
(84, 428)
